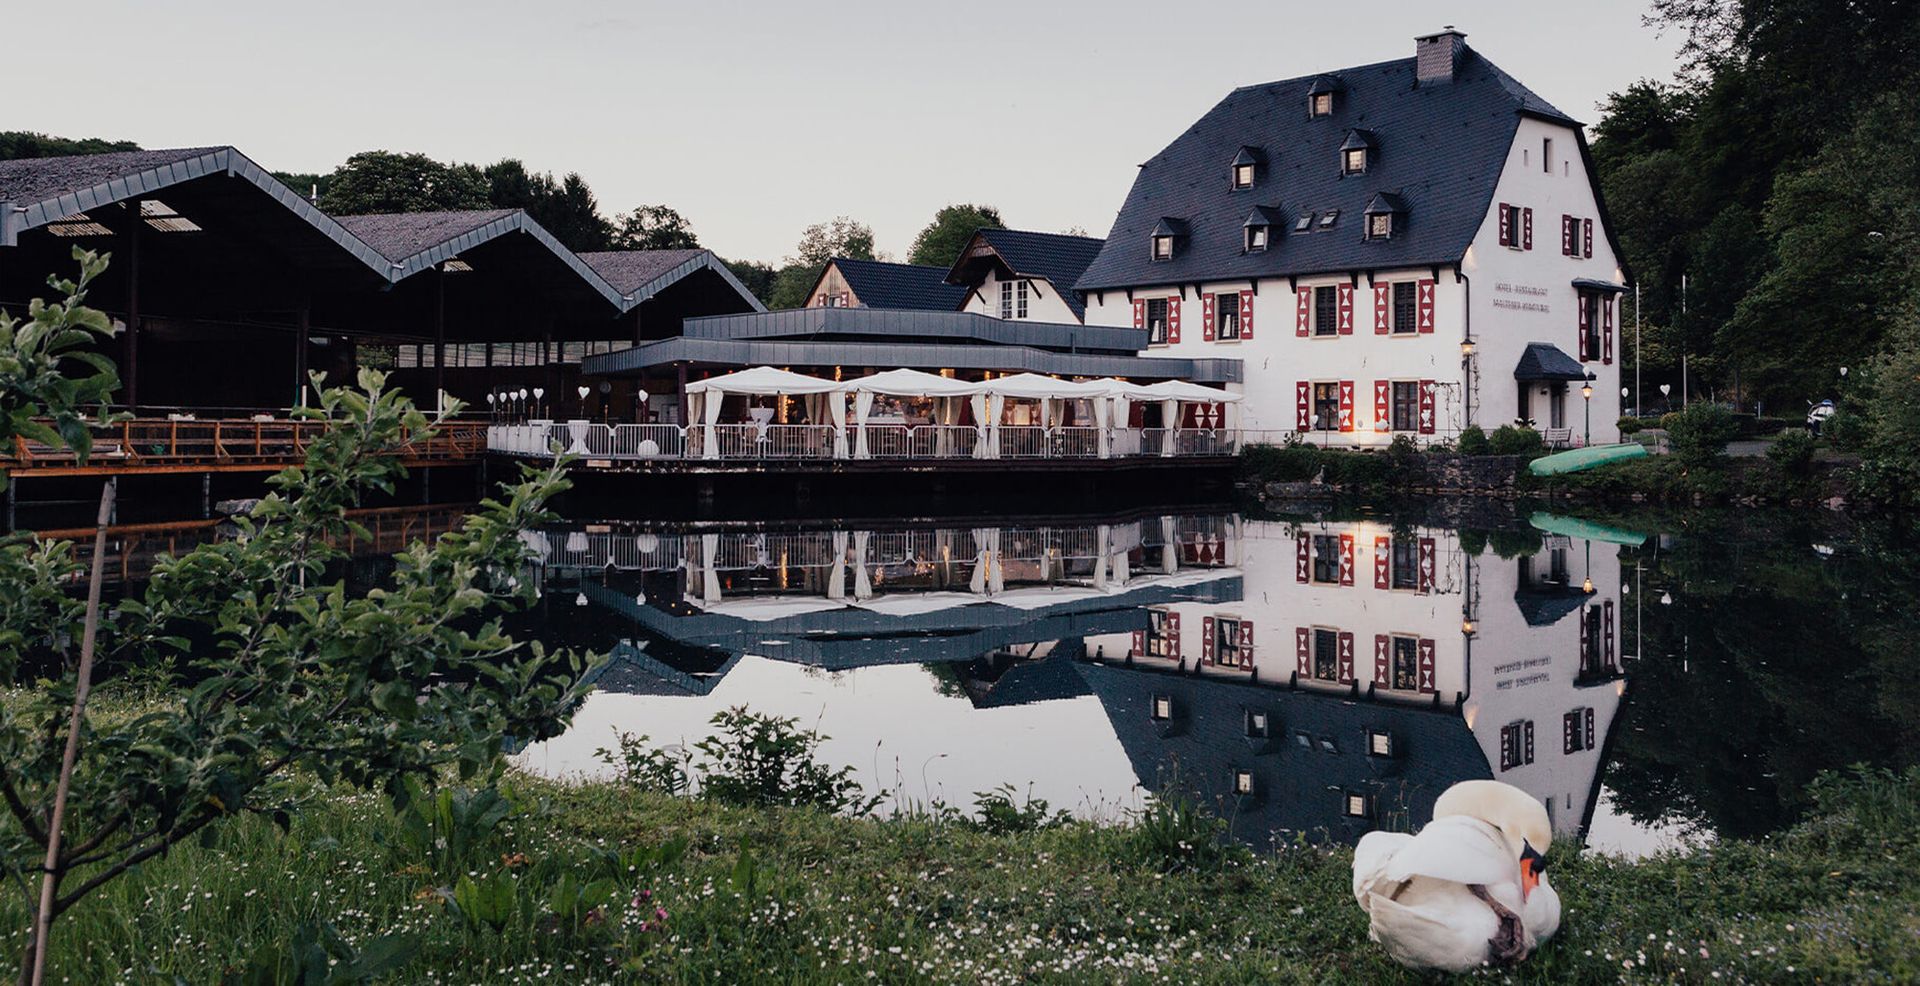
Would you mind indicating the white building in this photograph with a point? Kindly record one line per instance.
(1407, 247)
(1018, 275)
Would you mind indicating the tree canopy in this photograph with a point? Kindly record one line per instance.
(840, 236)
(385, 181)
(655, 227)
(948, 233)
(26, 143)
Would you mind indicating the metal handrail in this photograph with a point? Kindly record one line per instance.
(884, 441)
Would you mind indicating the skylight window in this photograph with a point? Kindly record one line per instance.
(160, 216)
(78, 224)
(1304, 223)
(1328, 218)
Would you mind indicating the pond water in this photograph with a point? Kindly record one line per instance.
(1657, 681)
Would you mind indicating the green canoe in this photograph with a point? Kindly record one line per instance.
(1586, 530)
(1576, 460)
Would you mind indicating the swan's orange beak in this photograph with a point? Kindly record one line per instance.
(1532, 864)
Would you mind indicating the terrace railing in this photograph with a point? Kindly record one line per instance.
(774, 442)
(182, 442)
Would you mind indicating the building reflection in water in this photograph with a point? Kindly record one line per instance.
(1315, 677)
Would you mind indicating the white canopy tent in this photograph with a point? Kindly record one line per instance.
(705, 396)
(946, 393)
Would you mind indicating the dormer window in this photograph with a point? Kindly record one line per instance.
(1384, 213)
(1246, 167)
(1165, 238)
(1258, 229)
(1320, 96)
(1356, 152)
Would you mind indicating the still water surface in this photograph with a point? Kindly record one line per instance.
(1322, 673)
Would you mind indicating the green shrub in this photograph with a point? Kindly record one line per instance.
(1700, 432)
(1280, 463)
(1473, 441)
(649, 768)
(766, 760)
(1002, 813)
(1793, 452)
(1516, 440)
(1629, 425)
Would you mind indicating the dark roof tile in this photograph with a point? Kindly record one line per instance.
(630, 270)
(1441, 148)
(26, 180)
(1060, 258)
(399, 235)
(879, 284)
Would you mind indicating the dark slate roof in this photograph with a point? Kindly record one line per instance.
(1440, 147)
(1545, 361)
(630, 270)
(399, 235)
(1298, 789)
(1051, 679)
(1545, 606)
(803, 324)
(28, 180)
(878, 284)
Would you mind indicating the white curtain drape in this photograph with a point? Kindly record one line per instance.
(837, 410)
(978, 583)
(696, 413)
(710, 568)
(1128, 440)
(979, 402)
(1169, 545)
(816, 407)
(837, 578)
(1102, 546)
(1101, 412)
(1170, 420)
(1049, 413)
(996, 403)
(862, 403)
(710, 449)
(862, 587)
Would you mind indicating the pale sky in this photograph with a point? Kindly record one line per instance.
(756, 119)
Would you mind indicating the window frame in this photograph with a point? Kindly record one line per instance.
(1157, 332)
(1222, 318)
(1394, 653)
(1161, 248)
(1321, 634)
(1404, 296)
(1331, 542)
(1403, 572)
(1380, 226)
(1321, 388)
(1006, 299)
(1353, 161)
(1226, 642)
(1264, 235)
(1319, 104)
(1243, 176)
(1410, 390)
(1326, 324)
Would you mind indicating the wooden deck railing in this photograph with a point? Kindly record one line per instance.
(177, 443)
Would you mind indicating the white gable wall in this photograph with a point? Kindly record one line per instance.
(1044, 303)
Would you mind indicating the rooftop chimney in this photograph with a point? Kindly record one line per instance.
(1437, 56)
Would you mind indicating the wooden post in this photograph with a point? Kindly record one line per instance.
(131, 347)
(300, 341)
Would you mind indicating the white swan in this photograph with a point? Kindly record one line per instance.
(1469, 889)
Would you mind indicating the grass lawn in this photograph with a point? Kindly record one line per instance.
(570, 886)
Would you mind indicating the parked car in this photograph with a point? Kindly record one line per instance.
(1817, 415)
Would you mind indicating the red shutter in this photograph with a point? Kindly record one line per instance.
(1587, 717)
(1580, 306)
(1302, 559)
(1506, 226)
(1139, 313)
(846, 299)
(1139, 643)
(1303, 651)
(1527, 732)
(1382, 317)
(1587, 236)
(1427, 564)
(1346, 309)
(1586, 650)
(1173, 320)
(1206, 639)
(1346, 657)
(1346, 559)
(1246, 314)
(1382, 561)
(1427, 686)
(1303, 405)
(1173, 634)
(1607, 632)
(1526, 229)
(1426, 305)
(1206, 317)
(1246, 643)
(1606, 330)
(1427, 410)
(1302, 310)
(1566, 235)
(1381, 420)
(1382, 646)
(1346, 405)
(1569, 731)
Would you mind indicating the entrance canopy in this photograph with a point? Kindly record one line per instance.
(915, 383)
(1545, 361)
(1180, 390)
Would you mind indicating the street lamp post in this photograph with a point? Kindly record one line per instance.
(1586, 393)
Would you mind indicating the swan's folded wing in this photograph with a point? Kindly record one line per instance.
(1371, 858)
(1441, 933)
(1456, 848)
(1541, 912)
